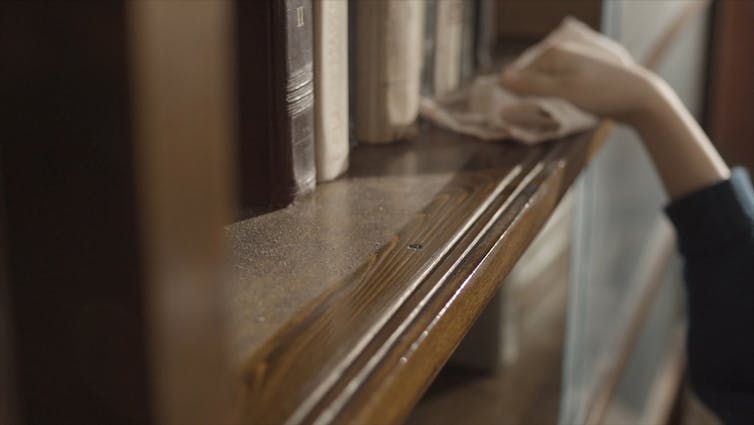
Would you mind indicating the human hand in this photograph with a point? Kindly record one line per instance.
(598, 75)
(581, 74)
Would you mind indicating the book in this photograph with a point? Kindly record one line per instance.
(468, 41)
(448, 26)
(486, 34)
(449, 46)
(276, 102)
(428, 49)
(388, 62)
(331, 87)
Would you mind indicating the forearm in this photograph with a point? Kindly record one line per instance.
(683, 154)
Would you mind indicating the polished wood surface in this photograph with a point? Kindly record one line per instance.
(383, 318)
(527, 390)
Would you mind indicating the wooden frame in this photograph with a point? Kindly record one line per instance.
(116, 185)
(366, 349)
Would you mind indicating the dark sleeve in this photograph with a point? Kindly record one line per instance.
(715, 228)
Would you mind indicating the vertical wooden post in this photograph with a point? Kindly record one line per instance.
(7, 382)
(183, 115)
(117, 119)
(730, 89)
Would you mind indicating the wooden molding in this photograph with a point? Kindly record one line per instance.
(365, 351)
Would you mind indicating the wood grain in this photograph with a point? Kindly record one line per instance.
(366, 349)
(526, 390)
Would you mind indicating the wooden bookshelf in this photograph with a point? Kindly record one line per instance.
(343, 307)
(347, 303)
(111, 201)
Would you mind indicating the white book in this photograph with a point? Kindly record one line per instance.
(449, 16)
(331, 87)
(389, 57)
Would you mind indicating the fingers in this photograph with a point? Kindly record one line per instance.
(574, 53)
(530, 82)
(546, 57)
(537, 74)
(552, 70)
(574, 31)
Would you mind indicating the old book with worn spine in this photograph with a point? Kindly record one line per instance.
(276, 99)
(331, 87)
(388, 49)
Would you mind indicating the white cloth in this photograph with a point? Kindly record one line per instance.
(488, 111)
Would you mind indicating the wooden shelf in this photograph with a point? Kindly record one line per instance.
(526, 390)
(346, 304)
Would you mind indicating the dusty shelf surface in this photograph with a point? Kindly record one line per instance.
(347, 303)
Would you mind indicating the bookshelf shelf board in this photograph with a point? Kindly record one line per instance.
(346, 304)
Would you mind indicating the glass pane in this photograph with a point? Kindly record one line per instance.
(619, 218)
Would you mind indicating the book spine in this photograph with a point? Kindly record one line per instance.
(388, 68)
(468, 48)
(276, 102)
(299, 94)
(486, 34)
(448, 45)
(428, 70)
(331, 87)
